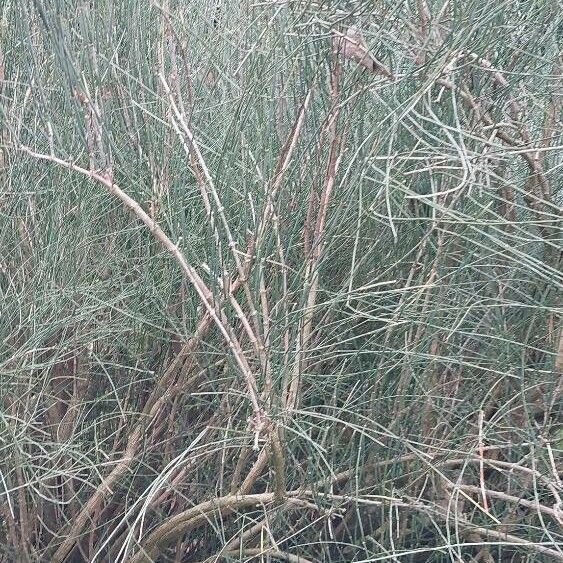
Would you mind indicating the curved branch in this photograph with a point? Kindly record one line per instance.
(214, 313)
(174, 528)
(202, 290)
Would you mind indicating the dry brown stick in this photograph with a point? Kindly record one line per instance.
(537, 173)
(537, 189)
(181, 46)
(269, 212)
(528, 154)
(559, 353)
(133, 442)
(347, 474)
(278, 461)
(207, 186)
(23, 520)
(252, 328)
(424, 18)
(272, 189)
(157, 399)
(176, 526)
(311, 282)
(166, 495)
(282, 166)
(557, 556)
(241, 460)
(468, 528)
(556, 514)
(255, 471)
(11, 535)
(552, 123)
(481, 462)
(268, 383)
(237, 541)
(202, 290)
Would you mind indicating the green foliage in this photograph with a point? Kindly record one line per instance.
(370, 198)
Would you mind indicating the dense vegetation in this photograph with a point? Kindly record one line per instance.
(279, 280)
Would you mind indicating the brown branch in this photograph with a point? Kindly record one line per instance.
(537, 174)
(311, 283)
(552, 124)
(537, 187)
(481, 463)
(468, 528)
(424, 30)
(157, 399)
(509, 538)
(555, 513)
(202, 290)
(175, 527)
(278, 462)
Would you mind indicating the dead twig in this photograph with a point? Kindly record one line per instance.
(202, 290)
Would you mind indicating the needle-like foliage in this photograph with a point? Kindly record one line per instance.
(280, 281)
